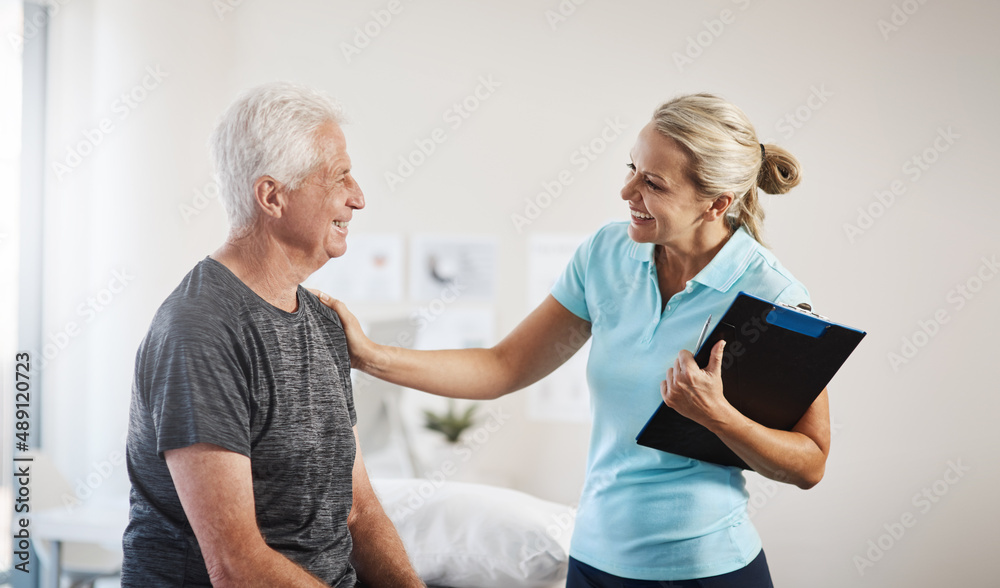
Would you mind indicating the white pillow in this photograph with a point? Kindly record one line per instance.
(476, 536)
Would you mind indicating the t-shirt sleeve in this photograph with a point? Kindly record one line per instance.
(570, 289)
(339, 349)
(344, 365)
(195, 385)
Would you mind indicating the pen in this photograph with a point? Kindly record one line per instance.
(704, 331)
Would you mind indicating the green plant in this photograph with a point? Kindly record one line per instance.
(450, 423)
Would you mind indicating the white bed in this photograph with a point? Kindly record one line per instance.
(458, 534)
(461, 535)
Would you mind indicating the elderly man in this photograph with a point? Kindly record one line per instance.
(242, 447)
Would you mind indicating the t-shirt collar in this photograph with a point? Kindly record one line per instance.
(724, 269)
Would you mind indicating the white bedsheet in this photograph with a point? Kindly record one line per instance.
(465, 535)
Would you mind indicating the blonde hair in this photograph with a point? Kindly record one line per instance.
(726, 156)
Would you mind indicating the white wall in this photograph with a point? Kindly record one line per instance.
(885, 96)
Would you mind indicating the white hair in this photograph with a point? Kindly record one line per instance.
(268, 131)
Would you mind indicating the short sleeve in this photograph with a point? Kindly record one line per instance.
(195, 386)
(570, 289)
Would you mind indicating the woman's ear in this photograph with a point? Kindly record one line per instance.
(720, 205)
(268, 195)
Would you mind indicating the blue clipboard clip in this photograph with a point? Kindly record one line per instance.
(798, 319)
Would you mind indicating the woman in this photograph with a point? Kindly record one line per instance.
(643, 290)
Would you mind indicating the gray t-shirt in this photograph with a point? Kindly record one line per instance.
(220, 365)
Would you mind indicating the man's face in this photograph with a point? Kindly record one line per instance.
(314, 220)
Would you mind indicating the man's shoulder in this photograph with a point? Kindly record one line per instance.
(316, 307)
(205, 300)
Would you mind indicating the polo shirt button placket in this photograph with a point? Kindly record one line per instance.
(647, 334)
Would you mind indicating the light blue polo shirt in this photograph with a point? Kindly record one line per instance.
(646, 514)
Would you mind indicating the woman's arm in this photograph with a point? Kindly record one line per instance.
(796, 457)
(543, 341)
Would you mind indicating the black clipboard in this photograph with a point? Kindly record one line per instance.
(777, 360)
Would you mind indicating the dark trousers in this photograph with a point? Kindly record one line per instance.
(754, 575)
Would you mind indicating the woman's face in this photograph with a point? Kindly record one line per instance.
(665, 207)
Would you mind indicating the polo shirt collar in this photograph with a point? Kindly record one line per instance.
(730, 262)
(641, 251)
(724, 269)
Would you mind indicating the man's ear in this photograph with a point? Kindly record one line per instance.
(720, 205)
(269, 196)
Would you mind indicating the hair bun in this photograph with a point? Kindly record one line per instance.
(779, 172)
